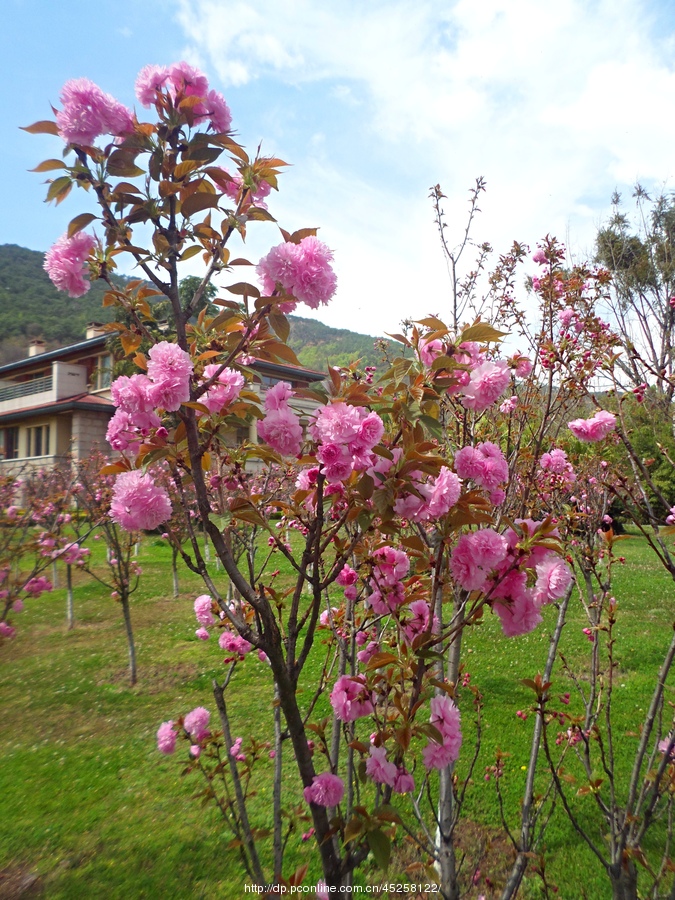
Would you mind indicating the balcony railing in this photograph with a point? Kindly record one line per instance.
(25, 388)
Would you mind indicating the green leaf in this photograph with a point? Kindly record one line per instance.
(123, 163)
(44, 126)
(244, 289)
(432, 425)
(481, 332)
(58, 186)
(190, 252)
(280, 324)
(380, 846)
(80, 222)
(197, 202)
(49, 165)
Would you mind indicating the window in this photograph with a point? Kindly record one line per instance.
(102, 372)
(9, 443)
(38, 441)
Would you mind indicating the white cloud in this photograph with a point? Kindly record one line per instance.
(554, 104)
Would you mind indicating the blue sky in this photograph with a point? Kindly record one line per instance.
(556, 105)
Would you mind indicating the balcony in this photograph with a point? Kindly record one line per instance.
(65, 380)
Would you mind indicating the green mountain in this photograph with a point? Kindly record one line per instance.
(31, 307)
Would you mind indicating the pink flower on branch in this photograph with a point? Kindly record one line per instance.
(169, 368)
(594, 429)
(139, 504)
(302, 270)
(378, 768)
(351, 699)
(446, 718)
(166, 738)
(325, 790)
(64, 263)
(89, 112)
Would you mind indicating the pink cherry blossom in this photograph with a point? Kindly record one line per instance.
(64, 263)
(303, 270)
(446, 718)
(166, 738)
(594, 429)
(350, 698)
(378, 768)
(225, 389)
(281, 429)
(475, 556)
(202, 607)
(520, 615)
(429, 350)
(233, 643)
(169, 368)
(404, 783)
(138, 504)
(278, 395)
(487, 383)
(553, 578)
(325, 790)
(149, 81)
(196, 722)
(88, 112)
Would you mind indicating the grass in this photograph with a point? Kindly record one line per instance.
(89, 806)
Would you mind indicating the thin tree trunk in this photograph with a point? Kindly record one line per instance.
(445, 845)
(527, 823)
(174, 574)
(55, 575)
(278, 838)
(70, 608)
(130, 639)
(624, 881)
(249, 842)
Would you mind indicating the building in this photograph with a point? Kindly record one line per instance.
(56, 403)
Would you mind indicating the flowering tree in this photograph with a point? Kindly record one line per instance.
(416, 505)
(34, 516)
(92, 493)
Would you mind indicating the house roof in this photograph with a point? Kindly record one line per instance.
(87, 402)
(98, 342)
(72, 349)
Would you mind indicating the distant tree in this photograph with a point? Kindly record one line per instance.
(639, 252)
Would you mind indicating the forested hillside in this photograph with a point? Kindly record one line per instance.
(31, 307)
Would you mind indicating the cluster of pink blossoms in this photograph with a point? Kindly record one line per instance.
(351, 699)
(195, 726)
(138, 504)
(346, 436)
(137, 397)
(594, 429)
(227, 640)
(281, 427)
(445, 717)
(486, 466)
(301, 270)
(490, 562)
(381, 771)
(65, 261)
(70, 553)
(179, 81)
(233, 184)
(325, 790)
(556, 470)
(88, 112)
(224, 390)
(390, 568)
(432, 499)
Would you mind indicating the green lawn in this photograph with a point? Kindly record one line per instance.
(89, 806)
